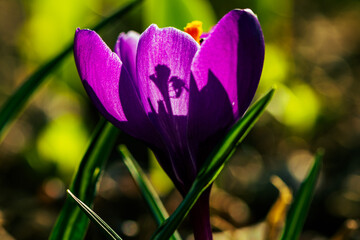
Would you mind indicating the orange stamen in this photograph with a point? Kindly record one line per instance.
(194, 29)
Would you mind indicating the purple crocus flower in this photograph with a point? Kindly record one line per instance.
(178, 96)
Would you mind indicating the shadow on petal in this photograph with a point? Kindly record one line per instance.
(250, 55)
(210, 116)
(139, 124)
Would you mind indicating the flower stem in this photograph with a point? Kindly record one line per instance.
(200, 217)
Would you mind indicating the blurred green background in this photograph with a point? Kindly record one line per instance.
(312, 55)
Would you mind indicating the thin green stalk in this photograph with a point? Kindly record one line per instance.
(299, 208)
(108, 231)
(72, 223)
(148, 192)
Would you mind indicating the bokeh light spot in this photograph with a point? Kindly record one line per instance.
(63, 142)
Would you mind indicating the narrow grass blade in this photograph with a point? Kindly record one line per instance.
(109, 232)
(72, 223)
(16, 102)
(151, 197)
(299, 208)
(213, 166)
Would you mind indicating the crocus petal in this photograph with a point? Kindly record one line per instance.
(99, 69)
(125, 48)
(210, 115)
(163, 61)
(163, 69)
(232, 54)
(163, 66)
(110, 86)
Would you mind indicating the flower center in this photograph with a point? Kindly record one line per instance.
(194, 29)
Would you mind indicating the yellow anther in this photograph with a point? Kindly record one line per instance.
(194, 29)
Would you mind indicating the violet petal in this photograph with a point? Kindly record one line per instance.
(163, 61)
(163, 66)
(111, 87)
(99, 69)
(125, 48)
(234, 52)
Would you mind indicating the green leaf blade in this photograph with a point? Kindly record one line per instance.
(15, 103)
(299, 208)
(213, 165)
(235, 136)
(148, 192)
(108, 231)
(72, 223)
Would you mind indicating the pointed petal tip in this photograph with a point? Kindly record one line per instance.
(81, 30)
(248, 10)
(130, 33)
(77, 32)
(82, 34)
(152, 26)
